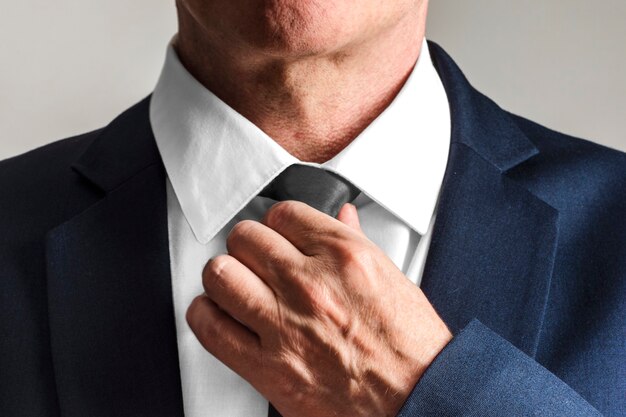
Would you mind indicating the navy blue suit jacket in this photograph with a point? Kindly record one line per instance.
(527, 266)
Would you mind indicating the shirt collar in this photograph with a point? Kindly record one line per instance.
(217, 160)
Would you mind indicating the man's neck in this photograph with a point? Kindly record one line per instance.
(312, 106)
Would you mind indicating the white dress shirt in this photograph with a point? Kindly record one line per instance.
(217, 161)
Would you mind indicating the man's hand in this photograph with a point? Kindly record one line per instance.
(315, 316)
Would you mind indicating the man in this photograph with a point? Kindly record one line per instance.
(147, 269)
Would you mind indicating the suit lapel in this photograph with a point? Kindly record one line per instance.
(491, 253)
(111, 315)
(493, 245)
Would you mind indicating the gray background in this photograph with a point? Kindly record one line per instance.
(69, 66)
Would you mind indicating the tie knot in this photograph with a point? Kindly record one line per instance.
(321, 189)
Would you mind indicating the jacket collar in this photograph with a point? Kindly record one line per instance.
(477, 121)
(124, 148)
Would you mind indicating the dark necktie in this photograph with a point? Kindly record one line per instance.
(320, 189)
(323, 190)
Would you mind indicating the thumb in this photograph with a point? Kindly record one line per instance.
(348, 215)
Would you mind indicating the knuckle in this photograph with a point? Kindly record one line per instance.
(206, 323)
(218, 264)
(354, 257)
(214, 270)
(197, 319)
(239, 230)
(208, 333)
(361, 265)
(280, 212)
(192, 312)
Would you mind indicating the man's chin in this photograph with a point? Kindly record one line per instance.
(298, 43)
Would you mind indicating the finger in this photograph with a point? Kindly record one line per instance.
(239, 292)
(306, 228)
(348, 215)
(265, 252)
(225, 338)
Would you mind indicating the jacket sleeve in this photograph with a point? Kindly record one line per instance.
(481, 374)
